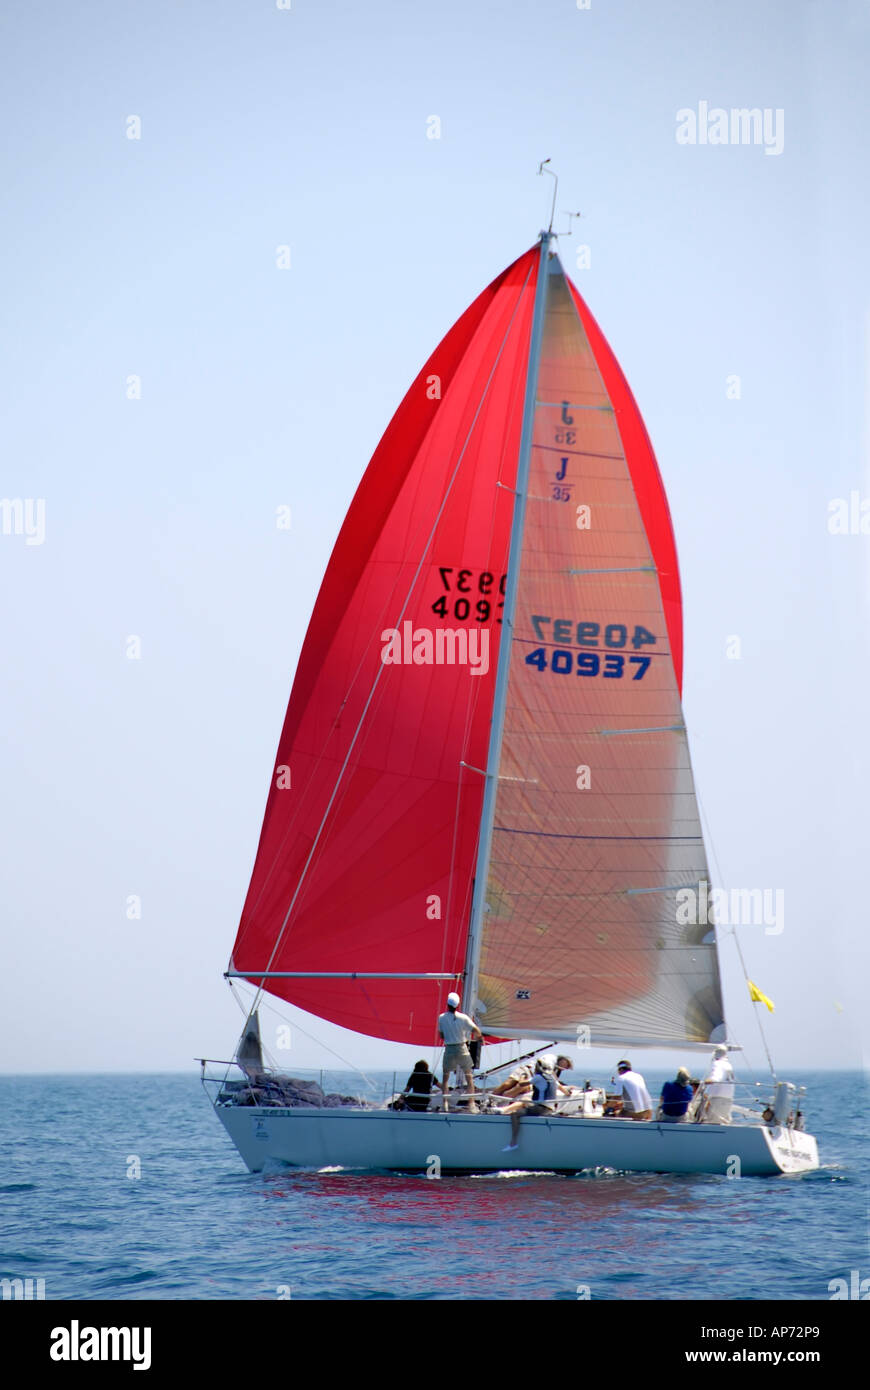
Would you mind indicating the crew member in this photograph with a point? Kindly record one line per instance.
(456, 1029)
(546, 1087)
(675, 1097)
(719, 1089)
(636, 1099)
(418, 1087)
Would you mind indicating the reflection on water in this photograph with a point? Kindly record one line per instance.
(546, 1235)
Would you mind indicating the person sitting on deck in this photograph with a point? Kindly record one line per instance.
(418, 1087)
(565, 1064)
(518, 1084)
(675, 1097)
(636, 1099)
(546, 1087)
(456, 1029)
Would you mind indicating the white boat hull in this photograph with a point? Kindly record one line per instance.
(410, 1142)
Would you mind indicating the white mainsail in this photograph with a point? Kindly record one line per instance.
(595, 826)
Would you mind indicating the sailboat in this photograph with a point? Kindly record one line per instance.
(483, 782)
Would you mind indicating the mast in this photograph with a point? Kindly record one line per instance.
(475, 934)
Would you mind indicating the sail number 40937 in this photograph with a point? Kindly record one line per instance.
(588, 634)
(474, 594)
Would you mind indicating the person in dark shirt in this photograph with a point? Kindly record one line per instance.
(418, 1087)
(675, 1097)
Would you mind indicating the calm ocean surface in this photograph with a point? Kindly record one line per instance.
(197, 1225)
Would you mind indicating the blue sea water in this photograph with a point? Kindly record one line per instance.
(196, 1225)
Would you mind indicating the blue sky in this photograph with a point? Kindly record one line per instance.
(261, 386)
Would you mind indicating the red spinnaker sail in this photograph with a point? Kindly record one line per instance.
(366, 859)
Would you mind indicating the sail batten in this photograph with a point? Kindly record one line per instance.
(615, 1040)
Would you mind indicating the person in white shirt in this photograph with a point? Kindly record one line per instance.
(718, 1089)
(519, 1083)
(456, 1029)
(636, 1099)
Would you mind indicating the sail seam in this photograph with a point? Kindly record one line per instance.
(624, 569)
(564, 835)
(656, 729)
(571, 405)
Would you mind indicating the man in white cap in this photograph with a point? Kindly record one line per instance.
(456, 1029)
(636, 1099)
(719, 1089)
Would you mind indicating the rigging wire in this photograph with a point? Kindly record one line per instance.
(732, 929)
(352, 1066)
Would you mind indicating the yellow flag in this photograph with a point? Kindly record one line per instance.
(757, 997)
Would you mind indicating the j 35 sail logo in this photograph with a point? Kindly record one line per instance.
(565, 436)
